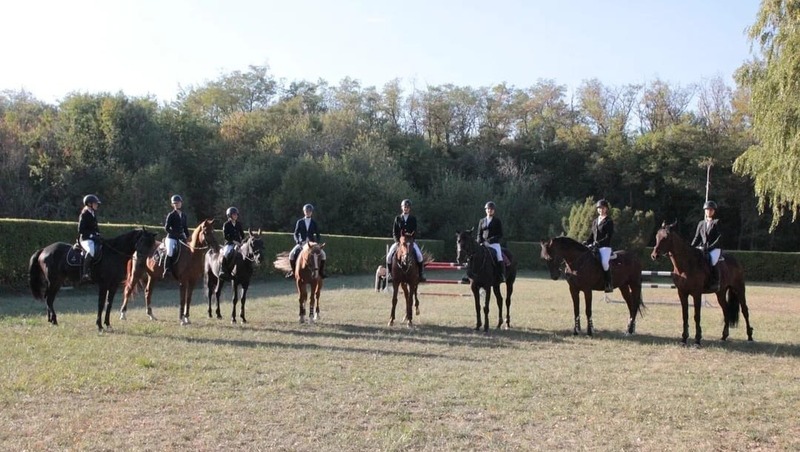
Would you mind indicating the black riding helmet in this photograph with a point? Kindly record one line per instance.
(176, 198)
(405, 202)
(89, 199)
(710, 205)
(601, 203)
(490, 205)
(231, 211)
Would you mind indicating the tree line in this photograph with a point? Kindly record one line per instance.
(268, 146)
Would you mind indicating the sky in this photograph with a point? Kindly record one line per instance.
(158, 47)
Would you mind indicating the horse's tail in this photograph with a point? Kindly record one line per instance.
(36, 276)
(732, 307)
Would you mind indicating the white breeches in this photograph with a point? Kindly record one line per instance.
(605, 256)
(394, 248)
(171, 245)
(88, 246)
(497, 250)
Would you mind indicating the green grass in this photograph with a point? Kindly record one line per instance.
(350, 382)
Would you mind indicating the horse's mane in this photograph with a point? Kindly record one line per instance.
(569, 243)
(125, 238)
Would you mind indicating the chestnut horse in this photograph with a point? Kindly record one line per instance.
(690, 274)
(480, 262)
(51, 266)
(405, 274)
(306, 273)
(187, 268)
(584, 273)
(246, 258)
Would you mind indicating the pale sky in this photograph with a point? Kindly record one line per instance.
(150, 47)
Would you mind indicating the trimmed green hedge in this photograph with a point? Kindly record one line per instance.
(346, 254)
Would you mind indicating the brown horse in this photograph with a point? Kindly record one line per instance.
(690, 274)
(306, 273)
(405, 274)
(187, 268)
(584, 273)
(480, 262)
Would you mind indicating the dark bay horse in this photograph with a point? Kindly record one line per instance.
(480, 262)
(405, 274)
(584, 273)
(187, 268)
(49, 268)
(246, 258)
(690, 274)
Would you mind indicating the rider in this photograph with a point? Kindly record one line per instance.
(306, 230)
(707, 239)
(89, 234)
(490, 231)
(234, 235)
(405, 223)
(600, 240)
(177, 229)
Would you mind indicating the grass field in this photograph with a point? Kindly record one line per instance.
(350, 382)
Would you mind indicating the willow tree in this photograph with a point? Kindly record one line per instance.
(774, 82)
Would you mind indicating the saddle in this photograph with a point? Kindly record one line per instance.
(160, 254)
(75, 255)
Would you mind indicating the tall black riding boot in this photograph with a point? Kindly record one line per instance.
(292, 263)
(86, 274)
(713, 283)
(322, 269)
(609, 282)
(167, 267)
(501, 272)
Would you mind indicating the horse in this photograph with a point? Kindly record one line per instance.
(480, 262)
(405, 274)
(51, 266)
(584, 273)
(306, 273)
(690, 274)
(187, 268)
(246, 258)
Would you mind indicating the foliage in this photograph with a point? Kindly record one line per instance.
(633, 229)
(772, 79)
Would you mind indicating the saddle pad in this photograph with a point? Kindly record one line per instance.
(74, 257)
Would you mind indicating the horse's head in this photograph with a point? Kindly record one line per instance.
(465, 246)
(310, 257)
(203, 235)
(665, 241)
(551, 257)
(253, 247)
(145, 245)
(405, 249)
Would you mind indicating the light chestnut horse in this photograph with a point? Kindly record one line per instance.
(188, 269)
(309, 280)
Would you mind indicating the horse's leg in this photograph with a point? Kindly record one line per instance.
(112, 291)
(408, 294)
(182, 308)
(101, 302)
(499, 297)
(632, 308)
(476, 293)
(576, 309)
(50, 296)
(416, 300)
(234, 299)
(509, 291)
(211, 285)
(698, 303)
(587, 296)
(684, 297)
(301, 289)
(189, 290)
(723, 304)
(739, 292)
(486, 300)
(394, 300)
(245, 286)
(126, 294)
(148, 296)
(312, 302)
(317, 291)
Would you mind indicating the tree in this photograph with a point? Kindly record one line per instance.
(774, 82)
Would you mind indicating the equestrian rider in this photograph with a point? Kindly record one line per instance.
(707, 239)
(405, 223)
(177, 229)
(89, 234)
(234, 235)
(306, 229)
(490, 231)
(600, 240)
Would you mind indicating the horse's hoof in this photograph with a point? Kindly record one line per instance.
(417, 311)
(233, 321)
(391, 322)
(244, 320)
(122, 316)
(302, 319)
(152, 317)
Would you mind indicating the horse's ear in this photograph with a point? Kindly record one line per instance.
(322, 245)
(470, 231)
(259, 231)
(250, 231)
